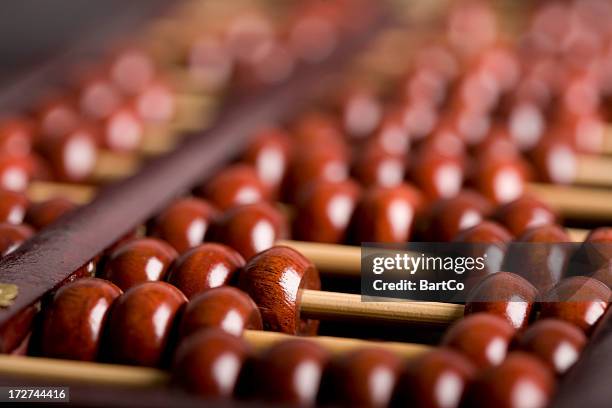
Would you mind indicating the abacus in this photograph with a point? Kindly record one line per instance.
(201, 243)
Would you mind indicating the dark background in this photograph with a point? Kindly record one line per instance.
(39, 37)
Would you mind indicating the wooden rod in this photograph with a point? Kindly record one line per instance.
(576, 202)
(58, 370)
(319, 304)
(594, 171)
(81, 372)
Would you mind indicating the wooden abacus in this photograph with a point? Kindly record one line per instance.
(50, 257)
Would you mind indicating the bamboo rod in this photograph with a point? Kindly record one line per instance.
(343, 306)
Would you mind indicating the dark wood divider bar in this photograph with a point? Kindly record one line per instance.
(52, 255)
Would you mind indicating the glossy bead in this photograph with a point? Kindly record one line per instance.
(520, 381)
(225, 307)
(376, 167)
(43, 213)
(233, 186)
(361, 378)
(16, 136)
(524, 213)
(324, 210)
(449, 216)
(139, 260)
(392, 135)
(209, 363)
(483, 338)
(204, 267)
(184, 223)
(506, 295)
(269, 153)
(273, 279)
(544, 261)
(579, 300)
(12, 236)
(74, 321)
(13, 206)
(501, 180)
(555, 342)
(73, 155)
(386, 214)
(436, 379)
(15, 171)
(290, 372)
(250, 229)
(141, 322)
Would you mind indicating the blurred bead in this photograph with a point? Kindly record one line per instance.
(13, 207)
(44, 213)
(483, 338)
(233, 186)
(15, 171)
(269, 153)
(156, 103)
(324, 210)
(555, 159)
(290, 372)
(209, 363)
(437, 379)
(579, 300)
(98, 97)
(225, 307)
(376, 167)
(450, 216)
(506, 295)
(524, 213)
(16, 135)
(73, 155)
(131, 69)
(363, 378)
(209, 63)
(139, 260)
(520, 381)
(250, 229)
(500, 179)
(555, 342)
(122, 130)
(204, 267)
(184, 223)
(386, 214)
(12, 236)
(540, 255)
(361, 112)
